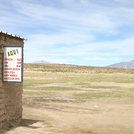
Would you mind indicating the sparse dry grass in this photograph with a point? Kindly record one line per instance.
(77, 99)
(79, 78)
(64, 68)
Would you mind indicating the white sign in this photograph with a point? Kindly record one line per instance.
(12, 63)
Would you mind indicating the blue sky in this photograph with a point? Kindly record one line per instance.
(81, 32)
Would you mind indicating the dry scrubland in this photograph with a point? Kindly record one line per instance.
(69, 99)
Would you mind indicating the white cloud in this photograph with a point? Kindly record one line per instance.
(70, 16)
(64, 38)
(102, 59)
(84, 1)
(71, 28)
(101, 50)
(76, 19)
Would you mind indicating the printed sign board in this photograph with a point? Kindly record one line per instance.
(12, 63)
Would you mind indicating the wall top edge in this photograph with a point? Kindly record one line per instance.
(15, 36)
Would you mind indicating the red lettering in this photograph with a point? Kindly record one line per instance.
(8, 59)
(5, 62)
(7, 68)
(5, 65)
(18, 59)
(18, 65)
(13, 75)
(17, 69)
(6, 75)
(18, 62)
(6, 71)
(7, 78)
(17, 79)
(12, 71)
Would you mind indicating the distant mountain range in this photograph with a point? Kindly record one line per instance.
(127, 65)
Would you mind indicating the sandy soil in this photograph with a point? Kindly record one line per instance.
(64, 115)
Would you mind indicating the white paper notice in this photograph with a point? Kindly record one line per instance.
(12, 64)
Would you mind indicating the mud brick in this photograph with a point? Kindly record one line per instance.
(1, 101)
(1, 112)
(1, 67)
(2, 118)
(1, 71)
(2, 96)
(1, 84)
(10, 92)
(2, 106)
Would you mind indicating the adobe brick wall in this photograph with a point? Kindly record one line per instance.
(10, 92)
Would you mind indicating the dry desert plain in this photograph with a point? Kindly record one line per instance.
(69, 99)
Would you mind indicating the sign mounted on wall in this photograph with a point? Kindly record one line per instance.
(12, 63)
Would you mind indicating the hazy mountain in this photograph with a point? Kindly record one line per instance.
(127, 65)
(41, 62)
(132, 61)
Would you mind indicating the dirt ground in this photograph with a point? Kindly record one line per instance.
(64, 115)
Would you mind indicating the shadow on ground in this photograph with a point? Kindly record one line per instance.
(24, 123)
